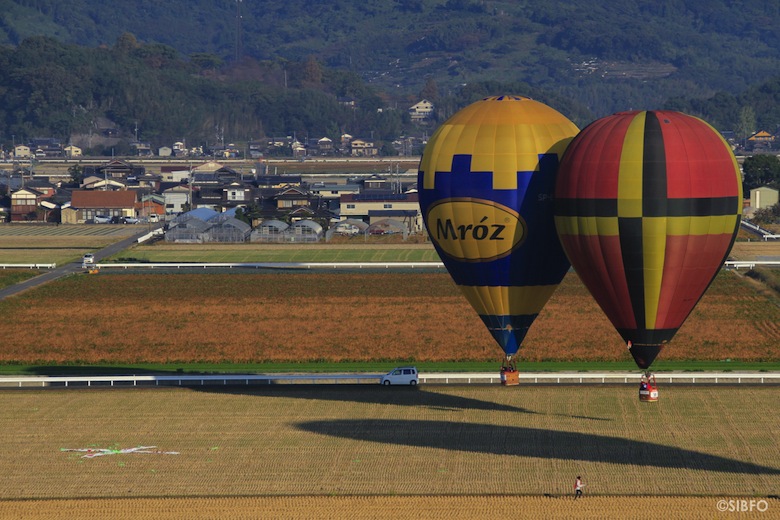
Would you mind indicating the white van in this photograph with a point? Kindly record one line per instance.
(401, 376)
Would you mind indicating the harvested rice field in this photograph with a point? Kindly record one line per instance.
(357, 316)
(366, 451)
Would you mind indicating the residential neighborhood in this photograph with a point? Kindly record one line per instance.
(274, 206)
(212, 202)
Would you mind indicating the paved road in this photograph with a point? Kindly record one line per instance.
(71, 268)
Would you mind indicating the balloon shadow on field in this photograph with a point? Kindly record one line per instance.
(528, 442)
(377, 394)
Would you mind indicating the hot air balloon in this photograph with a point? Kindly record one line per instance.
(485, 184)
(647, 207)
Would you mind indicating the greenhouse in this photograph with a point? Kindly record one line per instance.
(269, 231)
(227, 230)
(191, 230)
(304, 231)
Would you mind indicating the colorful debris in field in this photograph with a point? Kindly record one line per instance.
(91, 453)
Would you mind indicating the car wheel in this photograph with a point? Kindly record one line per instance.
(386, 383)
(413, 382)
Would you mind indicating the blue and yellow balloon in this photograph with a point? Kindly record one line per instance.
(486, 182)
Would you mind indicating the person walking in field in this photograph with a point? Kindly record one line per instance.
(578, 485)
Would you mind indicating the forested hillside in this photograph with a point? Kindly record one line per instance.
(245, 68)
(149, 91)
(607, 55)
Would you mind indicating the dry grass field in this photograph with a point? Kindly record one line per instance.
(365, 451)
(243, 318)
(46, 244)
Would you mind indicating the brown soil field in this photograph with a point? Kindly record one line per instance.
(366, 451)
(243, 318)
(389, 508)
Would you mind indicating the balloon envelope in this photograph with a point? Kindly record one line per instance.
(647, 207)
(485, 185)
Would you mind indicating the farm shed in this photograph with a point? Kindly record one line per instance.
(227, 230)
(269, 231)
(304, 231)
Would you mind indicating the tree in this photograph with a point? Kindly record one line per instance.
(76, 173)
(770, 215)
(312, 72)
(125, 43)
(761, 170)
(746, 124)
(430, 91)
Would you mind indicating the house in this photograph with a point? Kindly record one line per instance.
(237, 193)
(761, 136)
(421, 111)
(362, 148)
(142, 149)
(374, 183)
(293, 197)
(209, 167)
(174, 173)
(72, 151)
(99, 183)
(333, 191)
(179, 149)
(151, 205)
(114, 169)
(372, 208)
(325, 146)
(298, 149)
(277, 181)
(42, 185)
(348, 102)
(86, 204)
(22, 152)
(46, 147)
(256, 149)
(24, 205)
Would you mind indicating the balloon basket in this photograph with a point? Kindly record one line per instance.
(510, 377)
(648, 389)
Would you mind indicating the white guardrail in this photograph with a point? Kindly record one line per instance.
(28, 266)
(735, 264)
(749, 264)
(567, 378)
(278, 265)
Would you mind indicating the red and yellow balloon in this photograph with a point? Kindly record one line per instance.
(647, 207)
